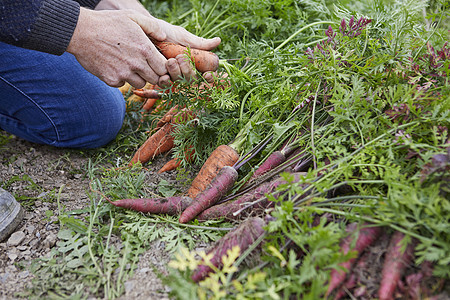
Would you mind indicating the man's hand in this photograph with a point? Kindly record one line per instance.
(176, 67)
(114, 46)
(180, 66)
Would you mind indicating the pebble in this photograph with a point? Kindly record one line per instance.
(22, 248)
(128, 286)
(30, 228)
(24, 274)
(144, 270)
(50, 240)
(16, 238)
(12, 256)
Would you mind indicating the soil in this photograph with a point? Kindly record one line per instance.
(50, 168)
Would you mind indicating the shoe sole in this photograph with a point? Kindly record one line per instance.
(12, 218)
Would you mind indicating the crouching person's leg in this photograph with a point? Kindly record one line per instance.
(52, 100)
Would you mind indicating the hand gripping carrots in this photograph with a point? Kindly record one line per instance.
(204, 61)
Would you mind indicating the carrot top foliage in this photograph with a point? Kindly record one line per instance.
(363, 88)
(371, 81)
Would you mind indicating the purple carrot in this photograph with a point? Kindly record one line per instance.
(394, 265)
(243, 236)
(226, 209)
(218, 187)
(170, 205)
(366, 236)
(252, 199)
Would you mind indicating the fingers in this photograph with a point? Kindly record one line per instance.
(186, 68)
(174, 69)
(209, 76)
(136, 81)
(179, 35)
(164, 81)
(150, 26)
(178, 68)
(204, 44)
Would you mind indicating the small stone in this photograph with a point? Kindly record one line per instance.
(12, 256)
(30, 229)
(16, 238)
(22, 248)
(144, 270)
(3, 277)
(50, 240)
(128, 286)
(24, 274)
(33, 243)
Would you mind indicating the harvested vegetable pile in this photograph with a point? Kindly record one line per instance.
(319, 155)
(340, 145)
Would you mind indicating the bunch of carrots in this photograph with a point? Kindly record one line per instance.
(206, 197)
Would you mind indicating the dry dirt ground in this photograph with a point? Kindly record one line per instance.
(49, 168)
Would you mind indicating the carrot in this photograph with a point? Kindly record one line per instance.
(170, 165)
(135, 97)
(366, 236)
(243, 236)
(147, 93)
(257, 195)
(218, 187)
(395, 263)
(204, 61)
(167, 117)
(171, 205)
(274, 159)
(226, 209)
(223, 155)
(159, 142)
(353, 279)
(149, 104)
(175, 162)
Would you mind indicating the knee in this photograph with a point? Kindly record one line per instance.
(105, 121)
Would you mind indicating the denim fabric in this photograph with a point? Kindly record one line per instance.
(53, 100)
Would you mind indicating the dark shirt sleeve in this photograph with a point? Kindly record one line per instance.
(42, 25)
(88, 3)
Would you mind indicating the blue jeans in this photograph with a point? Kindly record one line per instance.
(53, 100)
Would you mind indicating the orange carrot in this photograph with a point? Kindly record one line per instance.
(167, 118)
(204, 60)
(170, 165)
(136, 97)
(161, 106)
(147, 93)
(175, 162)
(149, 104)
(159, 142)
(222, 156)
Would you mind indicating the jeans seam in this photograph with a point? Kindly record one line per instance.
(32, 101)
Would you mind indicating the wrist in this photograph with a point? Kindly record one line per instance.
(80, 31)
